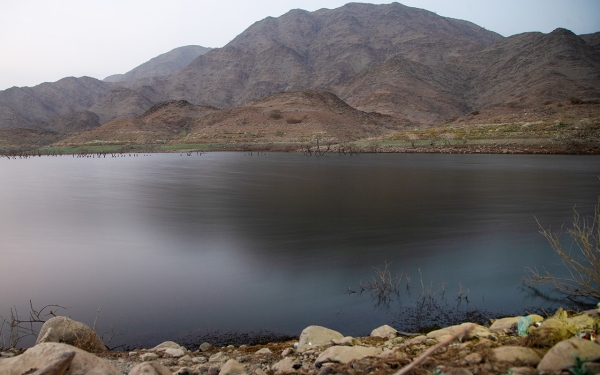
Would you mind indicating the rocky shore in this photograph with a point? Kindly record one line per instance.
(564, 343)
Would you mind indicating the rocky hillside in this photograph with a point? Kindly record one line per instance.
(161, 65)
(294, 117)
(321, 50)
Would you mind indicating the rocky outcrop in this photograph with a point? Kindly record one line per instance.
(66, 330)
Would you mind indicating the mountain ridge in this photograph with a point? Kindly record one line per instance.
(403, 65)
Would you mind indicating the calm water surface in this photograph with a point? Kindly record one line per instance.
(172, 244)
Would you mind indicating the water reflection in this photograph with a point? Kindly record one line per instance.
(175, 244)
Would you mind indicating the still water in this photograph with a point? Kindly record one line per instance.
(169, 244)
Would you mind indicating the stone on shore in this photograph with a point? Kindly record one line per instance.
(385, 332)
(477, 331)
(42, 354)
(149, 357)
(174, 353)
(150, 368)
(218, 357)
(166, 345)
(232, 367)
(562, 355)
(345, 341)
(505, 325)
(345, 354)
(205, 347)
(285, 366)
(314, 336)
(263, 351)
(516, 355)
(68, 331)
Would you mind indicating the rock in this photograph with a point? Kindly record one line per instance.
(385, 332)
(44, 353)
(68, 331)
(199, 360)
(314, 336)
(517, 355)
(345, 354)
(505, 325)
(185, 371)
(167, 345)
(477, 331)
(232, 367)
(287, 352)
(263, 351)
(185, 359)
(392, 354)
(149, 368)
(562, 355)
(345, 341)
(205, 347)
(259, 372)
(458, 371)
(474, 358)
(418, 340)
(218, 357)
(174, 353)
(523, 370)
(285, 366)
(551, 332)
(148, 357)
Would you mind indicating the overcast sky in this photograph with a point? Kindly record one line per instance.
(46, 40)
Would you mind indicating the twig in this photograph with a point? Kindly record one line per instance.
(434, 348)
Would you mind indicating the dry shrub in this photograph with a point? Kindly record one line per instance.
(275, 114)
(582, 260)
(291, 120)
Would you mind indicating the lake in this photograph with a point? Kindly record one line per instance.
(170, 245)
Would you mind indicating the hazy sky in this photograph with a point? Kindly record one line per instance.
(46, 40)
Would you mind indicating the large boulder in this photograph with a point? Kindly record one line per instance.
(68, 331)
(314, 336)
(43, 354)
(562, 355)
(345, 354)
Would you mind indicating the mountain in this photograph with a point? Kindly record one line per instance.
(593, 40)
(32, 107)
(161, 65)
(321, 50)
(529, 69)
(391, 64)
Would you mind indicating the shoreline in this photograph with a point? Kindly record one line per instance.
(525, 345)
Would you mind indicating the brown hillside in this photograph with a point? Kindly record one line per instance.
(296, 116)
(304, 50)
(159, 124)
